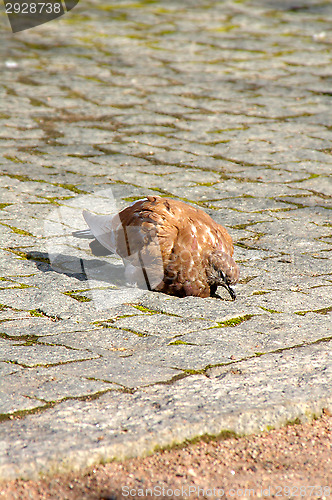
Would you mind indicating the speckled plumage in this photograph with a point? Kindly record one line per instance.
(168, 245)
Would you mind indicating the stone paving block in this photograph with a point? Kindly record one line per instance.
(161, 324)
(11, 403)
(297, 302)
(39, 354)
(8, 368)
(322, 185)
(183, 355)
(31, 385)
(159, 415)
(37, 324)
(270, 331)
(107, 340)
(114, 367)
(48, 300)
(194, 307)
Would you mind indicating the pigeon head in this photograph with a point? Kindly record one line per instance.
(222, 270)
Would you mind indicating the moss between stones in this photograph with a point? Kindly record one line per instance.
(13, 159)
(25, 178)
(295, 421)
(153, 311)
(70, 187)
(324, 310)
(40, 312)
(17, 230)
(233, 321)
(14, 284)
(131, 199)
(104, 323)
(180, 342)
(27, 256)
(26, 339)
(35, 312)
(144, 309)
(16, 415)
(270, 310)
(207, 438)
(79, 298)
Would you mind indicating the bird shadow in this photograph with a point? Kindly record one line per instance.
(78, 268)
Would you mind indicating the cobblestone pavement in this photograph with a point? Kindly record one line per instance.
(226, 105)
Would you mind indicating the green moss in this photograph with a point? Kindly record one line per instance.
(225, 29)
(324, 310)
(246, 280)
(21, 254)
(70, 187)
(233, 321)
(270, 310)
(28, 256)
(188, 371)
(260, 292)
(131, 199)
(20, 286)
(206, 438)
(22, 178)
(144, 309)
(79, 298)
(14, 284)
(131, 330)
(39, 312)
(36, 102)
(20, 231)
(295, 421)
(55, 199)
(153, 311)
(247, 224)
(4, 205)
(25, 178)
(13, 159)
(29, 340)
(180, 342)
(207, 184)
(104, 323)
(35, 312)
(17, 415)
(242, 243)
(17, 230)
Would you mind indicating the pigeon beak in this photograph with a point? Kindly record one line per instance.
(230, 291)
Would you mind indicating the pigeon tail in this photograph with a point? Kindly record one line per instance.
(102, 228)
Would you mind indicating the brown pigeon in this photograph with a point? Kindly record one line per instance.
(167, 246)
